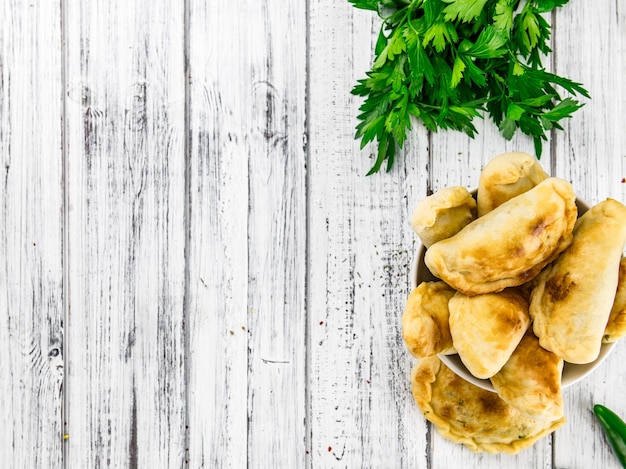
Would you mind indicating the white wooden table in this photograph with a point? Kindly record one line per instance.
(195, 270)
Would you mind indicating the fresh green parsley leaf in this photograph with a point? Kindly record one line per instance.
(518, 70)
(393, 47)
(544, 6)
(564, 109)
(419, 63)
(490, 44)
(529, 30)
(432, 10)
(365, 4)
(508, 128)
(465, 10)
(514, 111)
(381, 42)
(540, 101)
(473, 72)
(440, 33)
(503, 17)
(457, 71)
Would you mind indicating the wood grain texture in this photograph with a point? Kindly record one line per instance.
(248, 234)
(276, 78)
(218, 253)
(361, 246)
(126, 182)
(591, 154)
(31, 235)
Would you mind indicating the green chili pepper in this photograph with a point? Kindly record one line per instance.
(615, 430)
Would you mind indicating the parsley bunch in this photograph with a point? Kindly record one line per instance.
(447, 61)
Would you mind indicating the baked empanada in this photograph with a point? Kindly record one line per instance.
(443, 214)
(530, 381)
(425, 326)
(616, 327)
(509, 245)
(506, 176)
(486, 329)
(464, 413)
(572, 300)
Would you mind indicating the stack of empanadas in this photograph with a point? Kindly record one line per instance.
(525, 286)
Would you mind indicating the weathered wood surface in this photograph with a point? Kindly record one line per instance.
(188, 228)
(248, 238)
(31, 235)
(125, 335)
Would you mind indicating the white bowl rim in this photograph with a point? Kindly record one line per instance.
(572, 373)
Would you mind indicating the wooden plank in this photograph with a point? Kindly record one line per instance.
(31, 235)
(126, 384)
(591, 43)
(276, 233)
(218, 248)
(247, 301)
(361, 246)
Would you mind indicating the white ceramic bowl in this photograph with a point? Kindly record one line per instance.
(571, 373)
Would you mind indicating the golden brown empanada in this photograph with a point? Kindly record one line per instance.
(443, 214)
(425, 327)
(509, 245)
(506, 176)
(486, 329)
(572, 300)
(530, 381)
(616, 327)
(464, 413)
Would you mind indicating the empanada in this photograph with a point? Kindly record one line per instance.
(506, 176)
(425, 326)
(530, 381)
(509, 245)
(486, 329)
(443, 214)
(616, 327)
(464, 413)
(572, 300)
